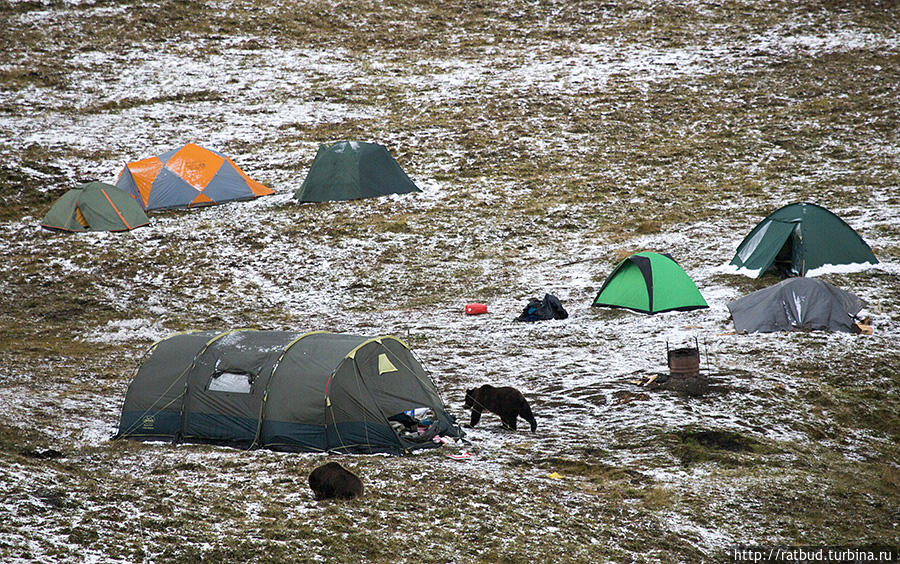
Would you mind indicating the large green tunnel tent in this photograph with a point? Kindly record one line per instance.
(282, 390)
(798, 239)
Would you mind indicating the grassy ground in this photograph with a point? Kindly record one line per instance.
(542, 133)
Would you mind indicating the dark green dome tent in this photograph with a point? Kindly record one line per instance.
(798, 239)
(95, 206)
(350, 170)
(650, 283)
(796, 304)
(282, 390)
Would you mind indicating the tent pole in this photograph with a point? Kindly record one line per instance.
(706, 351)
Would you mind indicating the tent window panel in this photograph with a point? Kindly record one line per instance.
(748, 249)
(385, 365)
(230, 382)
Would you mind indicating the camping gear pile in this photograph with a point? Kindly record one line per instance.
(542, 310)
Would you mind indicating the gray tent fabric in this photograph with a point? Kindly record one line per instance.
(283, 390)
(796, 304)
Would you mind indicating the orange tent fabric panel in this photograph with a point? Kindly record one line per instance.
(144, 173)
(79, 217)
(195, 165)
(201, 200)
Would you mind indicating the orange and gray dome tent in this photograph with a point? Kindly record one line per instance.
(187, 177)
(94, 206)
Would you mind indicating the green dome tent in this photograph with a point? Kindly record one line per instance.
(350, 170)
(649, 283)
(798, 239)
(94, 206)
(283, 390)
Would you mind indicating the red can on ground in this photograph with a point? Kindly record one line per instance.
(475, 309)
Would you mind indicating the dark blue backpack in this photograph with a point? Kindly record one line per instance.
(539, 310)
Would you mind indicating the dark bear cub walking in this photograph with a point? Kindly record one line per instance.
(332, 480)
(506, 402)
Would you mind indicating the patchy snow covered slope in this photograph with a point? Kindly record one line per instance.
(550, 142)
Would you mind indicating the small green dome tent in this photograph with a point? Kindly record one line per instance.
(283, 390)
(350, 170)
(649, 283)
(94, 206)
(798, 239)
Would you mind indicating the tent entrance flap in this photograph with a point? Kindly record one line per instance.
(761, 250)
(790, 255)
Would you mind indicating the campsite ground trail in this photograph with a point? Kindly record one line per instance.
(551, 140)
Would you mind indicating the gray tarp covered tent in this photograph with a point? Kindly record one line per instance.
(283, 390)
(796, 304)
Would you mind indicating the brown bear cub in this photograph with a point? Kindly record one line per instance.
(506, 402)
(333, 481)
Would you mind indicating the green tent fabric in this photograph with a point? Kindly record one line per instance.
(283, 390)
(798, 240)
(350, 170)
(94, 206)
(649, 283)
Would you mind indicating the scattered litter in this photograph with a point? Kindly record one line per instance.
(865, 326)
(464, 455)
(555, 475)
